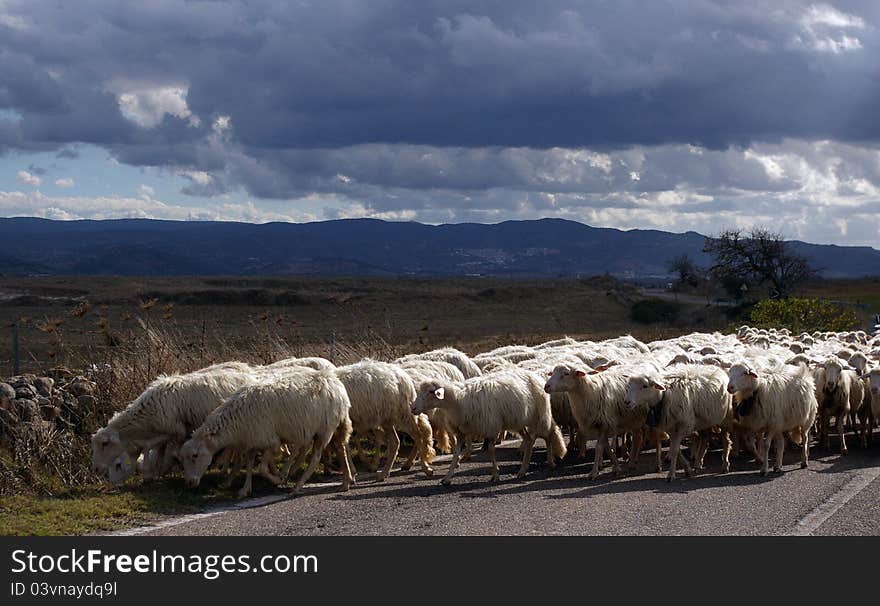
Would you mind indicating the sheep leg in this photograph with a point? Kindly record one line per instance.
(674, 445)
(390, 452)
(265, 468)
(327, 462)
(424, 443)
(153, 460)
(636, 449)
(840, 430)
(407, 465)
(528, 443)
(824, 436)
(701, 451)
(495, 475)
(294, 461)
(224, 460)
(468, 450)
(248, 481)
(615, 465)
(779, 441)
(237, 462)
(172, 450)
(598, 455)
(863, 425)
(456, 457)
(351, 467)
(317, 450)
(378, 438)
(805, 449)
(726, 445)
(342, 453)
(675, 457)
(764, 452)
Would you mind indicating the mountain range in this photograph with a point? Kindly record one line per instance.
(366, 247)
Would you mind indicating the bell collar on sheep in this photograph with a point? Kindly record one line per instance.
(745, 408)
(655, 412)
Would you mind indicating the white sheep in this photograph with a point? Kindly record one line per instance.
(450, 355)
(509, 400)
(160, 419)
(431, 370)
(304, 410)
(772, 402)
(312, 362)
(381, 395)
(597, 403)
(682, 402)
(833, 387)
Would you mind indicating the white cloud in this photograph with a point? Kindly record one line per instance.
(145, 191)
(825, 29)
(222, 123)
(65, 183)
(147, 107)
(199, 177)
(18, 203)
(28, 179)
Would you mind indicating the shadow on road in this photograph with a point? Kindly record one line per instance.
(472, 480)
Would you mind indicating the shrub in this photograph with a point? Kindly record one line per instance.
(802, 315)
(651, 311)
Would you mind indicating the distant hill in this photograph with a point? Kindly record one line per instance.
(365, 247)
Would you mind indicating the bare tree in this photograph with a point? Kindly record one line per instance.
(688, 272)
(760, 257)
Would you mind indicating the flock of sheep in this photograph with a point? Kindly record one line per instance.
(745, 391)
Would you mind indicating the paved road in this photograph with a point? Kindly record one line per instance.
(836, 495)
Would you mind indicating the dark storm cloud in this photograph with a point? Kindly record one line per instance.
(619, 112)
(475, 74)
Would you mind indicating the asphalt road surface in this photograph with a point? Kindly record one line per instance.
(835, 495)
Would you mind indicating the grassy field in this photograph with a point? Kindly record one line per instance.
(72, 321)
(132, 329)
(863, 293)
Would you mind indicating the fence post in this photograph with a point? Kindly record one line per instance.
(15, 366)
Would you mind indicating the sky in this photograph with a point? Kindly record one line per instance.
(663, 114)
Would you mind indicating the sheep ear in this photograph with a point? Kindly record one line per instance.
(752, 373)
(657, 386)
(601, 367)
(581, 373)
(439, 393)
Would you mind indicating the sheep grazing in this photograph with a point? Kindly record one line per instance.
(687, 400)
(160, 419)
(773, 402)
(306, 409)
(381, 395)
(509, 400)
(597, 403)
